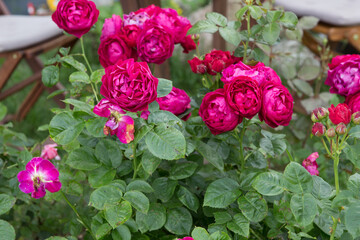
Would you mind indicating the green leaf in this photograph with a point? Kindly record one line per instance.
(64, 128)
(240, 225)
(7, 232)
(50, 75)
(352, 152)
(321, 189)
(79, 105)
(353, 184)
(268, 183)
(309, 72)
(3, 111)
(304, 208)
(308, 22)
(304, 87)
(297, 179)
(97, 75)
(179, 221)
(83, 159)
(153, 220)
(164, 188)
(241, 12)
(273, 145)
(203, 26)
(164, 87)
(64, 50)
(102, 231)
(188, 198)
(210, 154)
(74, 63)
(118, 214)
(289, 19)
(105, 196)
(122, 232)
(255, 12)
(222, 217)
(253, 206)
(182, 170)
(272, 16)
(6, 203)
(82, 77)
(200, 233)
(271, 33)
(139, 185)
(230, 35)
(109, 153)
(101, 176)
(139, 134)
(219, 236)
(149, 162)
(56, 238)
(95, 126)
(216, 18)
(166, 143)
(221, 193)
(352, 219)
(138, 200)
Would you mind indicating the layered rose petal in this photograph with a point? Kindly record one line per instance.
(217, 60)
(197, 66)
(39, 191)
(125, 130)
(112, 26)
(176, 102)
(48, 171)
(353, 101)
(130, 35)
(342, 58)
(105, 107)
(26, 183)
(54, 186)
(340, 114)
(32, 166)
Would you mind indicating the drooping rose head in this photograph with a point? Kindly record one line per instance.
(40, 174)
(335, 61)
(111, 27)
(344, 79)
(75, 16)
(340, 113)
(49, 152)
(217, 60)
(277, 105)
(244, 96)
(113, 49)
(353, 101)
(130, 85)
(177, 101)
(259, 72)
(197, 66)
(154, 44)
(311, 165)
(217, 114)
(318, 129)
(188, 44)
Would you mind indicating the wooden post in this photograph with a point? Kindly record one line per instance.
(219, 6)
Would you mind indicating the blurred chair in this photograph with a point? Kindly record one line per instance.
(339, 20)
(26, 37)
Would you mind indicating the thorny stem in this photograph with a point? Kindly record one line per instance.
(248, 36)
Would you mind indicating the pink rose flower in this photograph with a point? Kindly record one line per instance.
(130, 35)
(40, 174)
(111, 27)
(137, 19)
(154, 44)
(113, 49)
(188, 44)
(340, 113)
(244, 96)
(130, 85)
(277, 105)
(145, 114)
(150, 10)
(217, 114)
(353, 101)
(75, 16)
(217, 60)
(105, 107)
(176, 102)
(342, 58)
(197, 66)
(49, 152)
(259, 72)
(311, 165)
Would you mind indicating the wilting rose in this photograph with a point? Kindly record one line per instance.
(259, 72)
(340, 113)
(129, 84)
(217, 114)
(342, 58)
(217, 60)
(244, 96)
(113, 49)
(188, 44)
(318, 129)
(131, 33)
(49, 152)
(311, 165)
(176, 102)
(154, 44)
(197, 66)
(277, 105)
(75, 16)
(353, 101)
(111, 27)
(344, 79)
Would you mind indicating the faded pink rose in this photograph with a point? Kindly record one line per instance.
(111, 27)
(311, 165)
(176, 102)
(259, 72)
(340, 113)
(75, 16)
(277, 105)
(217, 114)
(137, 19)
(217, 60)
(197, 66)
(244, 96)
(49, 152)
(130, 85)
(40, 174)
(353, 101)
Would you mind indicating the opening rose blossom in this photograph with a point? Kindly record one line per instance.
(49, 152)
(217, 60)
(176, 102)
(197, 65)
(39, 175)
(311, 165)
(340, 113)
(217, 114)
(75, 16)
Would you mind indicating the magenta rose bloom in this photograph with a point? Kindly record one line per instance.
(344, 79)
(75, 16)
(197, 66)
(188, 44)
(137, 19)
(129, 84)
(176, 102)
(217, 60)
(40, 174)
(342, 58)
(217, 114)
(340, 113)
(130, 35)
(111, 27)
(259, 72)
(244, 96)
(150, 10)
(353, 101)
(113, 49)
(277, 105)
(154, 44)
(311, 165)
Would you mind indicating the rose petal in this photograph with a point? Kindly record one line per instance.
(27, 186)
(54, 186)
(48, 171)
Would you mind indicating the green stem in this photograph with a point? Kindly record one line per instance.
(336, 173)
(333, 229)
(134, 161)
(289, 155)
(248, 36)
(242, 133)
(327, 149)
(82, 221)
(255, 234)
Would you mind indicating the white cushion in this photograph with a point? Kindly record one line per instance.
(336, 12)
(17, 32)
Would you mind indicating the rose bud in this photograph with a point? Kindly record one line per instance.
(340, 113)
(217, 60)
(341, 129)
(356, 118)
(318, 129)
(197, 66)
(330, 132)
